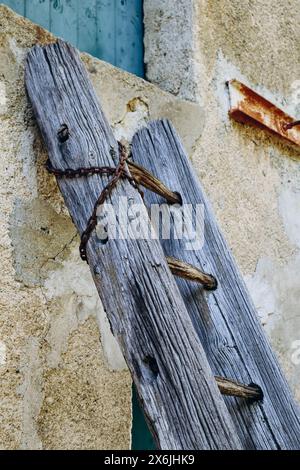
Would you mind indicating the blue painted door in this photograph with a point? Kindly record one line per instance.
(109, 29)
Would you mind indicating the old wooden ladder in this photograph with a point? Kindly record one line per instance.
(204, 370)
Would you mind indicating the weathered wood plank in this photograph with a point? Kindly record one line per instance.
(106, 31)
(147, 315)
(225, 320)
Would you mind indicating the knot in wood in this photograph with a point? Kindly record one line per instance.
(63, 133)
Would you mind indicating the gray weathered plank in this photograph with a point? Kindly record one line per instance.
(145, 309)
(225, 319)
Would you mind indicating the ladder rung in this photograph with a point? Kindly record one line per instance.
(188, 271)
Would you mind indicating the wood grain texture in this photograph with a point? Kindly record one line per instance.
(225, 320)
(146, 312)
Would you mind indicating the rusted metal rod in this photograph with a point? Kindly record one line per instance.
(146, 179)
(237, 389)
(188, 271)
(248, 107)
(290, 125)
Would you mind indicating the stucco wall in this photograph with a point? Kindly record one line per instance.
(64, 385)
(252, 180)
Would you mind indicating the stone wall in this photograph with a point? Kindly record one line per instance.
(252, 179)
(64, 385)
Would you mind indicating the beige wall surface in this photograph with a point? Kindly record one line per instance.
(64, 384)
(252, 179)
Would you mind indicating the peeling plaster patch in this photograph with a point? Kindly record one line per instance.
(73, 288)
(74, 277)
(62, 325)
(289, 209)
(19, 53)
(31, 390)
(3, 99)
(186, 116)
(262, 290)
(275, 291)
(136, 116)
(224, 72)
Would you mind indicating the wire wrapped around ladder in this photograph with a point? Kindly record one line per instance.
(140, 176)
(117, 173)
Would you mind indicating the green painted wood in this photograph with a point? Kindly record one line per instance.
(64, 20)
(120, 33)
(128, 30)
(17, 5)
(38, 11)
(87, 27)
(109, 29)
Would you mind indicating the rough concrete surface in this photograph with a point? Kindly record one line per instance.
(62, 386)
(252, 179)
